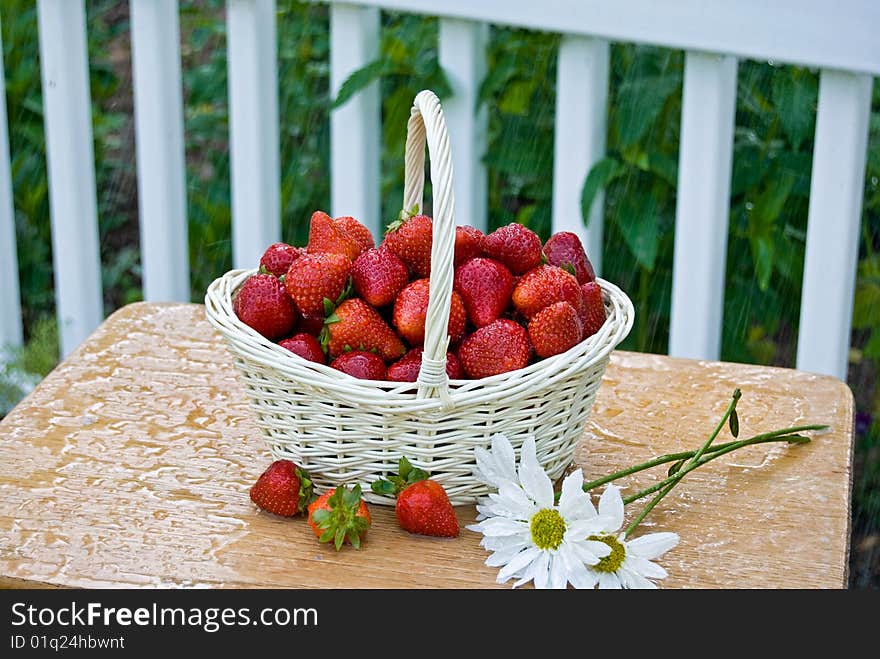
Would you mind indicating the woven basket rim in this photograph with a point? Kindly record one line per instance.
(270, 355)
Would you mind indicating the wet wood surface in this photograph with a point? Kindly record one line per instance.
(130, 465)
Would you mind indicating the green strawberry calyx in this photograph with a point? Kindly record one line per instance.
(402, 218)
(406, 475)
(306, 489)
(341, 522)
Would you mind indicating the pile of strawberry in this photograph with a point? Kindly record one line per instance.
(341, 516)
(362, 308)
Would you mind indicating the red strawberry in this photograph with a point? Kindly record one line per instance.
(306, 346)
(516, 246)
(410, 238)
(555, 329)
(311, 324)
(411, 307)
(357, 231)
(406, 369)
(378, 275)
(262, 305)
(355, 325)
(564, 249)
(499, 347)
(340, 516)
(543, 286)
(593, 316)
(360, 364)
(325, 237)
(283, 489)
(313, 277)
(468, 244)
(485, 286)
(277, 258)
(422, 506)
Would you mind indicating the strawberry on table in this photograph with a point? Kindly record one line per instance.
(468, 244)
(410, 237)
(543, 286)
(499, 347)
(314, 277)
(277, 258)
(340, 516)
(357, 231)
(360, 364)
(327, 237)
(355, 325)
(422, 506)
(406, 369)
(593, 315)
(378, 275)
(555, 329)
(283, 489)
(304, 345)
(411, 308)
(263, 305)
(564, 249)
(516, 246)
(485, 286)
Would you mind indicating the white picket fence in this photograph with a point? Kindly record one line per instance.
(839, 38)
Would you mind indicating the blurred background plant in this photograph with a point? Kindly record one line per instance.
(771, 176)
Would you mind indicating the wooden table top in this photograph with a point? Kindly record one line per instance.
(130, 464)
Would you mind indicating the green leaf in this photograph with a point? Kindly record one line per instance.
(734, 423)
(639, 225)
(601, 174)
(639, 102)
(384, 488)
(329, 308)
(403, 467)
(866, 310)
(517, 97)
(794, 95)
(358, 80)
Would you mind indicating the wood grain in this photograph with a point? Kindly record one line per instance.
(129, 466)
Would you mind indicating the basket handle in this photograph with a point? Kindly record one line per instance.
(426, 121)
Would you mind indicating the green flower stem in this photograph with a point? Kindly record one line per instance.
(694, 462)
(727, 448)
(763, 438)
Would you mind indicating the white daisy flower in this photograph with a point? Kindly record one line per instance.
(532, 538)
(629, 564)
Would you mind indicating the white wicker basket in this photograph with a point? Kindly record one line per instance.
(346, 430)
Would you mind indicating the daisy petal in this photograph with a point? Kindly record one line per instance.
(652, 545)
(574, 503)
(608, 581)
(558, 573)
(517, 563)
(583, 528)
(611, 505)
(495, 526)
(533, 478)
(633, 580)
(578, 575)
(505, 458)
(644, 567)
(542, 571)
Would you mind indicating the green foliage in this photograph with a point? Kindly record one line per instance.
(21, 368)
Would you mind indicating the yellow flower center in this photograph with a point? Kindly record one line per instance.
(548, 529)
(613, 561)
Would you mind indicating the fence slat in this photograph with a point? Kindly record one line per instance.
(71, 165)
(581, 113)
(701, 218)
(463, 58)
(836, 191)
(253, 129)
(155, 46)
(355, 127)
(10, 301)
